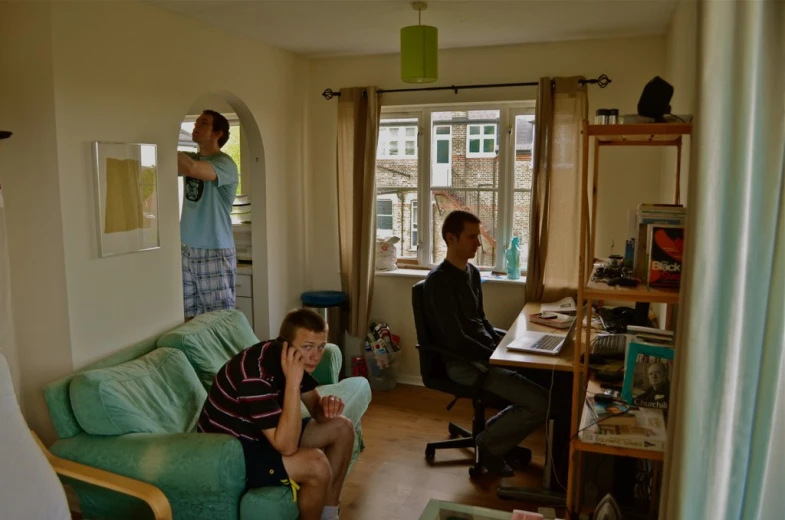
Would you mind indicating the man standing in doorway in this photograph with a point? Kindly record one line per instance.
(209, 259)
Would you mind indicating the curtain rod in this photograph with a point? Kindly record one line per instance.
(602, 80)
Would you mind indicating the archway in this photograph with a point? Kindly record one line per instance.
(253, 177)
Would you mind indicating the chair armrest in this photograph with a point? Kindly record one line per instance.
(500, 332)
(329, 370)
(173, 462)
(150, 494)
(452, 355)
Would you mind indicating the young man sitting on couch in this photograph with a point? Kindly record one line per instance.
(256, 397)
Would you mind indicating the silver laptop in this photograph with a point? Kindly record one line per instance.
(543, 342)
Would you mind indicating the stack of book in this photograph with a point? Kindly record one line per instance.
(623, 426)
(658, 237)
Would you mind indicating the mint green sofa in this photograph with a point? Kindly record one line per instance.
(135, 412)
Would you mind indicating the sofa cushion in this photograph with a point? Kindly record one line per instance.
(156, 393)
(210, 340)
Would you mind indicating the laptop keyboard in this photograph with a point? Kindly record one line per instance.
(613, 344)
(548, 343)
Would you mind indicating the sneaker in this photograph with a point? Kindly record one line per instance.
(518, 457)
(493, 463)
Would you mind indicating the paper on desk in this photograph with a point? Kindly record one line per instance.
(564, 305)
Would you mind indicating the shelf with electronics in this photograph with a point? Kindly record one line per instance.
(599, 137)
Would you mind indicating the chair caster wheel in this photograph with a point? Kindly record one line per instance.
(430, 453)
(475, 472)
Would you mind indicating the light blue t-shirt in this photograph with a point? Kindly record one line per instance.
(206, 222)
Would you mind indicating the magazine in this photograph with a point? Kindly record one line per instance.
(666, 247)
(565, 306)
(649, 432)
(647, 376)
(611, 414)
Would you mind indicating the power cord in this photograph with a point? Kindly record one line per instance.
(548, 431)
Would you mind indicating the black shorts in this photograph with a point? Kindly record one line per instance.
(264, 464)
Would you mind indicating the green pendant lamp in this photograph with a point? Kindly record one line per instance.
(419, 50)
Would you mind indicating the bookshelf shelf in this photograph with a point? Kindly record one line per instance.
(579, 445)
(603, 291)
(654, 132)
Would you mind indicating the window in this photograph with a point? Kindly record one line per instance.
(384, 215)
(481, 140)
(397, 141)
(413, 226)
(461, 161)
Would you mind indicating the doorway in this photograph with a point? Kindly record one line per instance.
(249, 223)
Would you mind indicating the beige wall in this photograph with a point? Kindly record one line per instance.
(682, 56)
(126, 72)
(627, 177)
(30, 175)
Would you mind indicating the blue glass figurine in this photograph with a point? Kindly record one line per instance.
(513, 257)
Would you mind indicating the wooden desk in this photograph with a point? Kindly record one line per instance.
(503, 357)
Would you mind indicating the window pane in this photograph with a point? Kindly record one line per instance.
(443, 130)
(524, 144)
(394, 131)
(474, 130)
(520, 222)
(384, 207)
(396, 184)
(413, 226)
(442, 151)
(393, 148)
(474, 145)
(488, 146)
(489, 130)
(384, 223)
(483, 203)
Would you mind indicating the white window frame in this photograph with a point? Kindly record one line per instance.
(482, 138)
(505, 141)
(383, 148)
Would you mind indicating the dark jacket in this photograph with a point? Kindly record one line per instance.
(454, 312)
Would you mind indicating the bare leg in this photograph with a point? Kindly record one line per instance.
(336, 438)
(310, 469)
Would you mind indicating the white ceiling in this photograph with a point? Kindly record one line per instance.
(321, 28)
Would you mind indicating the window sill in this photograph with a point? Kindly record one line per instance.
(404, 273)
(422, 273)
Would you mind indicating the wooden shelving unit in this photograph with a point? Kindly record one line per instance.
(659, 134)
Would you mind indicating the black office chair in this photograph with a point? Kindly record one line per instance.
(434, 375)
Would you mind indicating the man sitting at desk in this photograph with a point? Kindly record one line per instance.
(455, 316)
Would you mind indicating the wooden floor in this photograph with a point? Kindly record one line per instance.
(392, 480)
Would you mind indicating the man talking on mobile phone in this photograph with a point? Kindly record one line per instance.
(256, 397)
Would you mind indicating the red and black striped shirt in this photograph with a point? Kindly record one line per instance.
(248, 392)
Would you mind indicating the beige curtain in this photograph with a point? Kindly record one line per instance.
(358, 131)
(552, 272)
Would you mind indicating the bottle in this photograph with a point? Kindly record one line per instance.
(513, 257)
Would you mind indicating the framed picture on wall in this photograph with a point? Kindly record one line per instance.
(126, 179)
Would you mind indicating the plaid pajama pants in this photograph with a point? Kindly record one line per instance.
(208, 279)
